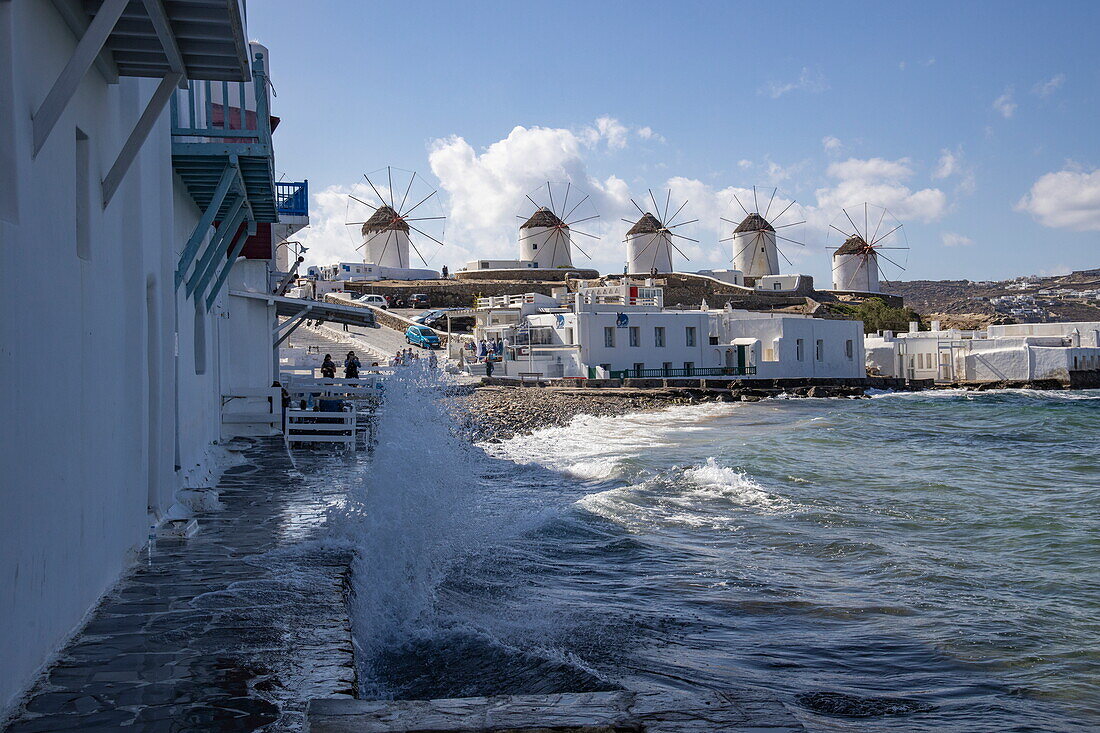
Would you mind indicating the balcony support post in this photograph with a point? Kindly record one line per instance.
(237, 247)
(229, 175)
(138, 135)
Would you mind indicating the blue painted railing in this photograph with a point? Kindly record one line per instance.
(229, 112)
(292, 198)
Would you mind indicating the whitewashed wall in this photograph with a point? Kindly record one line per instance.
(87, 345)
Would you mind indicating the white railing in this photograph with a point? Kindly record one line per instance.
(262, 406)
(505, 301)
(310, 426)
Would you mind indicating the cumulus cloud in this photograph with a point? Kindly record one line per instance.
(808, 81)
(744, 163)
(1005, 103)
(831, 144)
(947, 166)
(1067, 199)
(882, 182)
(1049, 86)
(328, 238)
(647, 133)
(951, 239)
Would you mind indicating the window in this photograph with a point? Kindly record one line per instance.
(83, 197)
(689, 368)
(798, 349)
(713, 340)
(667, 367)
(920, 361)
(819, 350)
(689, 336)
(200, 338)
(639, 366)
(849, 350)
(777, 286)
(659, 336)
(609, 336)
(635, 336)
(569, 335)
(769, 354)
(534, 245)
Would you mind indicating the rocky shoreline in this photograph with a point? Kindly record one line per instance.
(498, 413)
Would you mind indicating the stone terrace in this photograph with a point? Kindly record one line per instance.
(234, 628)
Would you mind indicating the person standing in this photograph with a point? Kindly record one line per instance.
(488, 367)
(351, 366)
(328, 367)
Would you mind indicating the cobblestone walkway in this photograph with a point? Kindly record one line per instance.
(233, 629)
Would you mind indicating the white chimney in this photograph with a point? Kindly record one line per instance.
(914, 326)
(935, 325)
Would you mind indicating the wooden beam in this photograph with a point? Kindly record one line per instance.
(72, 12)
(155, 9)
(229, 176)
(237, 246)
(138, 135)
(89, 46)
(204, 269)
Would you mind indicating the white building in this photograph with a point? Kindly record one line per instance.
(137, 293)
(754, 250)
(648, 247)
(545, 240)
(1018, 352)
(624, 330)
(855, 267)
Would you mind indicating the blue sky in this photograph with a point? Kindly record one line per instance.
(973, 123)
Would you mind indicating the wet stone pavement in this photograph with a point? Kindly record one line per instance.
(232, 629)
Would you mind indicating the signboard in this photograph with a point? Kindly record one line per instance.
(621, 320)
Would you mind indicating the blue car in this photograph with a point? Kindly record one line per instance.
(421, 336)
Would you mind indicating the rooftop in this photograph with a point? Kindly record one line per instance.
(385, 219)
(648, 224)
(754, 223)
(542, 218)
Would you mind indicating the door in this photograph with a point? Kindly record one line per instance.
(742, 358)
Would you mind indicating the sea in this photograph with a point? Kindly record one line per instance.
(911, 561)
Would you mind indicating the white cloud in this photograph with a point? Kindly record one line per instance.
(612, 131)
(881, 182)
(647, 133)
(1005, 104)
(1067, 199)
(744, 163)
(808, 81)
(1045, 88)
(947, 166)
(328, 238)
(902, 65)
(831, 144)
(951, 239)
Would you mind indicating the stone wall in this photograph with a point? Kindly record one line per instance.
(528, 274)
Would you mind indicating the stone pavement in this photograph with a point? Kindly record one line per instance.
(586, 712)
(232, 629)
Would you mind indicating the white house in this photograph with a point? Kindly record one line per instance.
(1016, 352)
(624, 330)
(132, 188)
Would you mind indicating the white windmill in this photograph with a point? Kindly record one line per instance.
(546, 235)
(858, 254)
(396, 218)
(649, 242)
(756, 252)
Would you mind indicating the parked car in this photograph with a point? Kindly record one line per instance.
(426, 316)
(376, 300)
(419, 300)
(421, 336)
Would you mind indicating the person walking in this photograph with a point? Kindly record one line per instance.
(328, 367)
(488, 367)
(351, 366)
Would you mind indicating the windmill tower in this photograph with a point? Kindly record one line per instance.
(386, 239)
(392, 224)
(649, 241)
(546, 236)
(756, 252)
(857, 261)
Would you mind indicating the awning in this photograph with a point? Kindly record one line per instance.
(313, 310)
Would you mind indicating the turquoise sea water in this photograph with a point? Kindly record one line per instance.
(918, 561)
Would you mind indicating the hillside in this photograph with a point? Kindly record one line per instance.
(1032, 299)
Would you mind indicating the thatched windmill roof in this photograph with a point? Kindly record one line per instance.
(648, 224)
(385, 219)
(754, 223)
(542, 218)
(853, 245)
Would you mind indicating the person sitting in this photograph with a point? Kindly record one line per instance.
(328, 367)
(351, 366)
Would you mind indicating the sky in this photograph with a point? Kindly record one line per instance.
(972, 124)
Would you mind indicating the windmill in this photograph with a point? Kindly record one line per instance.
(398, 210)
(546, 235)
(649, 242)
(858, 253)
(755, 250)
